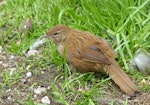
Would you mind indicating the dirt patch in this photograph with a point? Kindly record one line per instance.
(19, 91)
(24, 87)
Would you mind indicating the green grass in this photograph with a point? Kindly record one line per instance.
(124, 23)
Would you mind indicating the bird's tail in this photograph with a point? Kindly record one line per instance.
(120, 78)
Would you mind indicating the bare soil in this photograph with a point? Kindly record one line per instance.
(17, 93)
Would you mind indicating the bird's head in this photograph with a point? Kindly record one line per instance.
(58, 33)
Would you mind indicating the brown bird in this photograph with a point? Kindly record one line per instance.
(89, 53)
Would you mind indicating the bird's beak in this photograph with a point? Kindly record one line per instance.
(46, 36)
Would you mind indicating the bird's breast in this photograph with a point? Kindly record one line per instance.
(60, 48)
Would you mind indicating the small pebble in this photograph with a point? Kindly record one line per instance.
(35, 96)
(48, 87)
(62, 77)
(5, 64)
(42, 72)
(29, 74)
(9, 98)
(1, 62)
(12, 57)
(45, 100)
(28, 67)
(32, 53)
(8, 90)
(39, 90)
(141, 61)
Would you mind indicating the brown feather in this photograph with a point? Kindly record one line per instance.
(89, 53)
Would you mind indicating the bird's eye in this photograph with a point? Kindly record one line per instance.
(55, 33)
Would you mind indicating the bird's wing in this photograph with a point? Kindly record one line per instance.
(91, 49)
(94, 54)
